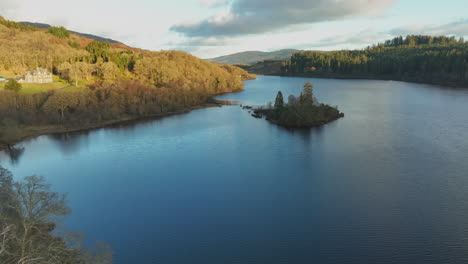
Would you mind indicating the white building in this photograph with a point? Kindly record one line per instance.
(2, 79)
(38, 76)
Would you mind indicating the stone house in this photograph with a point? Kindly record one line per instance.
(40, 75)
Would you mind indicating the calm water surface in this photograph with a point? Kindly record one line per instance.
(386, 184)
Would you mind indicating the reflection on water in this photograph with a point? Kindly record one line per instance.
(13, 153)
(306, 134)
(69, 143)
(386, 184)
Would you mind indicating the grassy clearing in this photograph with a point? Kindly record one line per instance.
(32, 88)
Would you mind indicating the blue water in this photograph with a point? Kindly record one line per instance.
(386, 184)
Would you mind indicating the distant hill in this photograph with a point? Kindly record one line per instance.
(252, 57)
(93, 37)
(441, 60)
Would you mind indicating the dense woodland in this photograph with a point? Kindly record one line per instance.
(439, 60)
(117, 82)
(29, 213)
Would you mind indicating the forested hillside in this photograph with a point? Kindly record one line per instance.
(113, 82)
(426, 59)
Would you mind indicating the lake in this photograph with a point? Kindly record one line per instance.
(386, 184)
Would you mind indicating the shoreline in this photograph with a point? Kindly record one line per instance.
(31, 132)
(318, 124)
(454, 85)
(275, 70)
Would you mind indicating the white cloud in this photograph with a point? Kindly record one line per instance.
(202, 42)
(8, 7)
(213, 3)
(457, 28)
(245, 17)
(362, 38)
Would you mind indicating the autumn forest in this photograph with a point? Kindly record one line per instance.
(103, 82)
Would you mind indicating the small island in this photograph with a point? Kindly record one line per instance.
(302, 112)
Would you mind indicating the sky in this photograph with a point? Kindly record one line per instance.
(211, 28)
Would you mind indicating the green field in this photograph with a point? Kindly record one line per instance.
(38, 87)
(32, 88)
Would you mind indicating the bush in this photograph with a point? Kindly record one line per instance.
(13, 85)
(74, 44)
(59, 32)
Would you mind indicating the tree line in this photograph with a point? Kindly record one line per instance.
(440, 60)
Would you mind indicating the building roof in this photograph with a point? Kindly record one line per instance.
(38, 70)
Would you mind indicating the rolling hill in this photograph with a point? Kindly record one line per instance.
(252, 57)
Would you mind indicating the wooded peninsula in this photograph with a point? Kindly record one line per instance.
(437, 60)
(97, 83)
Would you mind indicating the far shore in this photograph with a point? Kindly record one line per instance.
(36, 131)
(276, 71)
(369, 77)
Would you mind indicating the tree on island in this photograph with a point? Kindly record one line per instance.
(307, 95)
(13, 85)
(279, 101)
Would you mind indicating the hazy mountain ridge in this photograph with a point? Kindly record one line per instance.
(252, 57)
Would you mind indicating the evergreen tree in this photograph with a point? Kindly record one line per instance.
(307, 95)
(279, 102)
(99, 51)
